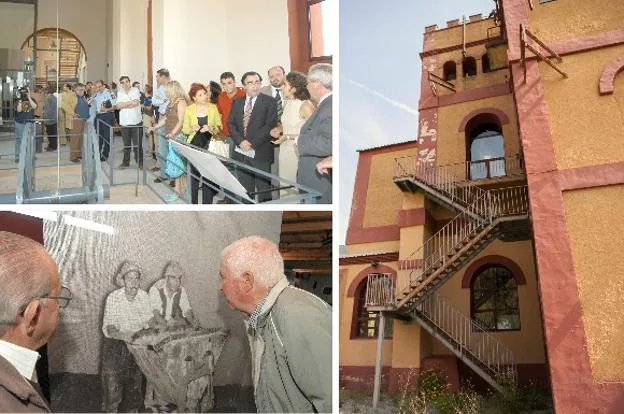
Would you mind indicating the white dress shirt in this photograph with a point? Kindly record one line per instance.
(23, 359)
(127, 316)
(130, 116)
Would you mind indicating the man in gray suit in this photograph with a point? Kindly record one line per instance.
(315, 141)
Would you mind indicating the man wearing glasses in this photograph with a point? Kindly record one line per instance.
(251, 120)
(31, 296)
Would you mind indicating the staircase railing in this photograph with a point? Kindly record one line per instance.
(380, 290)
(434, 251)
(458, 181)
(469, 337)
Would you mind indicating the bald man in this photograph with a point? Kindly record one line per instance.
(30, 298)
(289, 329)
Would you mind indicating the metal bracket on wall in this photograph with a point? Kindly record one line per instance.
(437, 80)
(524, 33)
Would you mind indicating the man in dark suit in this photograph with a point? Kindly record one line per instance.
(315, 140)
(251, 120)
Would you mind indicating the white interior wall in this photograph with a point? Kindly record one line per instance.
(16, 24)
(86, 19)
(129, 33)
(198, 40)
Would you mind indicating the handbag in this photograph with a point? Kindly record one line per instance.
(175, 165)
(220, 148)
(201, 139)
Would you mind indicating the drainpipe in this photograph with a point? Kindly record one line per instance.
(380, 338)
(464, 36)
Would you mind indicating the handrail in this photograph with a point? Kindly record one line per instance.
(470, 336)
(461, 228)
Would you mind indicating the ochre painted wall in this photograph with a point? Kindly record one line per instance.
(359, 351)
(471, 82)
(587, 128)
(565, 19)
(452, 143)
(383, 198)
(528, 343)
(595, 223)
(377, 247)
(453, 36)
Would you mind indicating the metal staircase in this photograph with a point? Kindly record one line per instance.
(483, 216)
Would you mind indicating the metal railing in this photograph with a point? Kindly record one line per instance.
(380, 290)
(435, 251)
(510, 201)
(470, 337)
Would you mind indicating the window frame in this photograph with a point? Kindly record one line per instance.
(311, 57)
(359, 311)
(496, 311)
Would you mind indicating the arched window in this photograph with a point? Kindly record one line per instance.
(450, 71)
(486, 147)
(494, 299)
(469, 66)
(366, 324)
(485, 64)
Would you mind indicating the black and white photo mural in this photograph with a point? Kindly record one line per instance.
(147, 328)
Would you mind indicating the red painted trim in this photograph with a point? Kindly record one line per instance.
(384, 149)
(452, 48)
(369, 258)
(476, 266)
(360, 279)
(593, 176)
(608, 76)
(570, 46)
(362, 377)
(26, 226)
(373, 234)
(473, 95)
(587, 43)
(503, 119)
(357, 233)
(408, 264)
(412, 217)
(573, 384)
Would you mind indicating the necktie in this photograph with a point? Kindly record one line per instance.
(280, 106)
(247, 116)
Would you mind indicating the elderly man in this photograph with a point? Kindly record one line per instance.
(30, 298)
(128, 310)
(170, 304)
(315, 141)
(289, 329)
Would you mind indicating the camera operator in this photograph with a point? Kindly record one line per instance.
(38, 96)
(25, 112)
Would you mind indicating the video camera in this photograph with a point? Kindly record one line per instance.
(21, 94)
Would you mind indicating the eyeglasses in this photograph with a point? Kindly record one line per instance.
(253, 83)
(63, 299)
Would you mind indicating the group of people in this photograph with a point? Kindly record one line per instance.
(244, 123)
(62, 113)
(284, 127)
(128, 311)
(289, 329)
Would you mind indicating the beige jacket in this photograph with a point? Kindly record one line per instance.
(68, 106)
(17, 395)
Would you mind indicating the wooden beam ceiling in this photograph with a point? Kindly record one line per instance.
(306, 241)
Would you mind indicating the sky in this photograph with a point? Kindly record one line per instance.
(380, 71)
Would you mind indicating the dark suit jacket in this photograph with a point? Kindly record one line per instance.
(16, 394)
(314, 144)
(263, 119)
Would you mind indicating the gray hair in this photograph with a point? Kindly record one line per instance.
(255, 255)
(321, 72)
(23, 275)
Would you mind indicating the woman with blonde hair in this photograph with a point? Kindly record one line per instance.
(173, 121)
(202, 124)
